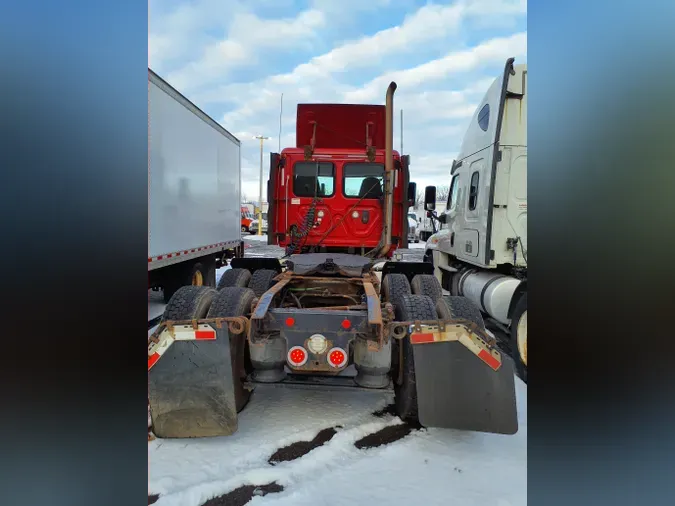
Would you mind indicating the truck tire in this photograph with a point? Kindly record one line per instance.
(198, 276)
(189, 303)
(426, 284)
(450, 307)
(235, 301)
(394, 286)
(519, 337)
(210, 279)
(234, 277)
(262, 280)
(169, 287)
(410, 307)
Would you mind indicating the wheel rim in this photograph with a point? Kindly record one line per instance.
(522, 337)
(197, 278)
(243, 229)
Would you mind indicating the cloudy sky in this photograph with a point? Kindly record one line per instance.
(234, 59)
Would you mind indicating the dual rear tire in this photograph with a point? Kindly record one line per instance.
(187, 399)
(425, 301)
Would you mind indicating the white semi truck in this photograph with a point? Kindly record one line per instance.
(194, 167)
(482, 252)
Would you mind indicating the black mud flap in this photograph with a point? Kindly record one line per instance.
(457, 390)
(191, 391)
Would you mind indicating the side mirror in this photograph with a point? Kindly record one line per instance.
(412, 191)
(430, 198)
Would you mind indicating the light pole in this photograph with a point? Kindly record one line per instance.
(262, 139)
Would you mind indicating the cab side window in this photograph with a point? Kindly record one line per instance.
(453, 193)
(473, 191)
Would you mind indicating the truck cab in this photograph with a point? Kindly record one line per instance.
(486, 211)
(327, 193)
(246, 218)
(483, 255)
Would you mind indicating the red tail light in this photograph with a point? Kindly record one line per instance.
(346, 324)
(290, 321)
(297, 356)
(337, 357)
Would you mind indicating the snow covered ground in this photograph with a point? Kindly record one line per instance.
(255, 237)
(426, 467)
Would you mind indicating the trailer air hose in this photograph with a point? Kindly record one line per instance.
(302, 232)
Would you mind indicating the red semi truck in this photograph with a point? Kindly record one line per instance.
(326, 193)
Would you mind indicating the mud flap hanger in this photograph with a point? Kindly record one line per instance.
(465, 332)
(189, 330)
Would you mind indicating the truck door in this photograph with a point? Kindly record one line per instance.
(451, 213)
(471, 238)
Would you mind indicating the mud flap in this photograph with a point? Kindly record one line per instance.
(458, 390)
(190, 385)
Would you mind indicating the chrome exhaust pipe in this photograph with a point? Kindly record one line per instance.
(388, 172)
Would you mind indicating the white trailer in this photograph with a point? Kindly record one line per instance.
(194, 168)
(483, 254)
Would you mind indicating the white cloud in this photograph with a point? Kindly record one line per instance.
(438, 95)
(248, 36)
(487, 53)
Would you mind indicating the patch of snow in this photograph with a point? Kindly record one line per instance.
(255, 237)
(417, 245)
(433, 466)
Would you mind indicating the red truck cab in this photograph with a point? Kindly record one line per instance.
(246, 219)
(327, 192)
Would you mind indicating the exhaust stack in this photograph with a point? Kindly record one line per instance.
(385, 241)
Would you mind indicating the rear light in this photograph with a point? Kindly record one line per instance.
(290, 321)
(346, 324)
(337, 357)
(317, 344)
(297, 356)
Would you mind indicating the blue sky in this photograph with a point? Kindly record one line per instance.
(234, 59)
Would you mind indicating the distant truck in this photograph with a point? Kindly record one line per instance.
(483, 254)
(426, 225)
(413, 228)
(247, 217)
(193, 192)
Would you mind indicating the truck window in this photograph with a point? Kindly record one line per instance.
(484, 117)
(473, 191)
(313, 178)
(452, 194)
(363, 180)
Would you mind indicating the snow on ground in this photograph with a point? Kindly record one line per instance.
(429, 467)
(255, 237)
(417, 245)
